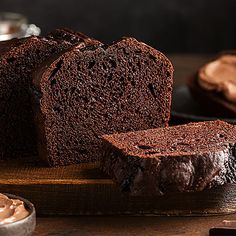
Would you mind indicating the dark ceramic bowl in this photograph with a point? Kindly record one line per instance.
(24, 227)
(186, 109)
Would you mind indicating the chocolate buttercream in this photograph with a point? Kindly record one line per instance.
(220, 75)
(11, 210)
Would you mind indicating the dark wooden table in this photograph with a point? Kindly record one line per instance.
(130, 226)
(185, 65)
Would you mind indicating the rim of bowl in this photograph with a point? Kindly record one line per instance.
(29, 206)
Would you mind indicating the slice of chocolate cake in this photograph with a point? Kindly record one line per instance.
(181, 158)
(19, 57)
(88, 92)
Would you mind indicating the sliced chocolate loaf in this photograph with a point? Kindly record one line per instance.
(19, 57)
(88, 92)
(181, 158)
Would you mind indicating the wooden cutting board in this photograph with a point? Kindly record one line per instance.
(84, 190)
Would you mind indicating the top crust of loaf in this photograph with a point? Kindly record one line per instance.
(72, 37)
(125, 41)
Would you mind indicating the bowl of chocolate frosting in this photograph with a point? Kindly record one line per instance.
(17, 216)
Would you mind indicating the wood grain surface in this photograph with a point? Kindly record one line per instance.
(84, 190)
(128, 226)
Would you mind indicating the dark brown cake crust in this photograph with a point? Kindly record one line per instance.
(214, 102)
(90, 91)
(181, 158)
(73, 37)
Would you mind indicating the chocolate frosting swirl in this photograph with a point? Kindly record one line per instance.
(11, 210)
(220, 75)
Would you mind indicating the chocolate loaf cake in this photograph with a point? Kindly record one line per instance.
(19, 57)
(180, 158)
(214, 85)
(95, 90)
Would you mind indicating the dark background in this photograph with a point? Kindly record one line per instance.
(203, 26)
